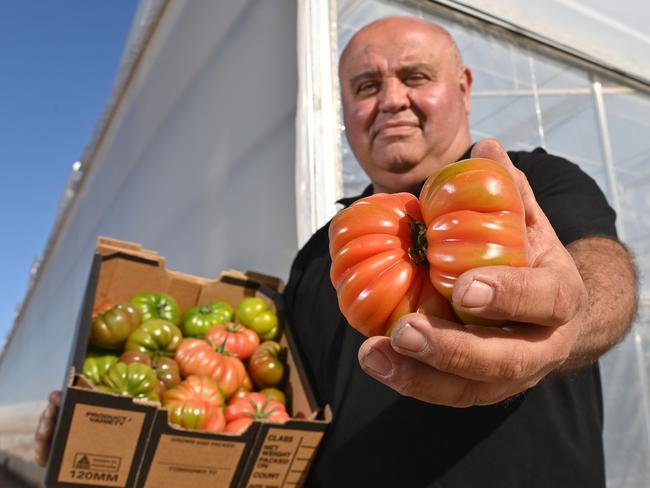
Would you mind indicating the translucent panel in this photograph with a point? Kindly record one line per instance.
(496, 64)
(512, 120)
(616, 33)
(569, 120)
(354, 179)
(624, 374)
(553, 75)
(629, 130)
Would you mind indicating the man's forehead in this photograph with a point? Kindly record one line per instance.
(400, 42)
(380, 56)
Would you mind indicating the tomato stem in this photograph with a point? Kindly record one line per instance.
(233, 327)
(418, 251)
(221, 348)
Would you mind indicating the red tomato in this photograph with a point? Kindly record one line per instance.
(388, 250)
(195, 403)
(195, 387)
(238, 340)
(197, 357)
(378, 265)
(242, 411)
(474, 217)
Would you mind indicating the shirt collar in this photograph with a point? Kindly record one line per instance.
(347, 201)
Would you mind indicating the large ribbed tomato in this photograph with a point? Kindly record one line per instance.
(242, 411)
(377, 270)
(195, 403)
(387, 250)
(238, 340)
(197, 357)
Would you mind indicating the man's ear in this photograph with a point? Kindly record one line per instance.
(465, 81)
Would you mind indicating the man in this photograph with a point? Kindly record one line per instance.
(438, 403)
(453, 405)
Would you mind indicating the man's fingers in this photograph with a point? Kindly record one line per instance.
(413, 378)
(41, 455)
(54, 398)
(544, 295)
(45, 428)
(485, 354)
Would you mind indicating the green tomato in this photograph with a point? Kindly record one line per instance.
(155, 337)
(156, 306)
(266, 364)
(248, 309)
(224, 309)
(273, 393)
(96, 365)
(267, 324)
(111, 328)
(167, 372)
(254, 313)
(166, 369)
(198, 320)
(136, 380)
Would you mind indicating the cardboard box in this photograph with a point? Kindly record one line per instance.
(109, 440)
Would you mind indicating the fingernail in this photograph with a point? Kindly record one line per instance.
(378, 362)
(408, 337)
(478, 294)
(44, 426)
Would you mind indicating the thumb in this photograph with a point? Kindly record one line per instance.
(545, 295)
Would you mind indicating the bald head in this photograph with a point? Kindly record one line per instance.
(388, 26)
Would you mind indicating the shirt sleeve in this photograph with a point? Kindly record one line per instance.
(570, 198)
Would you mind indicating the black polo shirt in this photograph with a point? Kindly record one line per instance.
(550, 436)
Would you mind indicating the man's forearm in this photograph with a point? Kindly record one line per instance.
(610, 277)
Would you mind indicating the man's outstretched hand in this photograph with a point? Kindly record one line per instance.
(550, 304)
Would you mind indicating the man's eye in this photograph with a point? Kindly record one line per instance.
(415, 78)
(367, 87)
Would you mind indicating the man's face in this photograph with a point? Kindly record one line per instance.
(405, 102)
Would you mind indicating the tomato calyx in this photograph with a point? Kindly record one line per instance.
(221, 348)
(217, 347)
(260, 412)
(418, 251)
(233, 327)
(205, 309)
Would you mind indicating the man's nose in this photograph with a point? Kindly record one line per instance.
(393, 96)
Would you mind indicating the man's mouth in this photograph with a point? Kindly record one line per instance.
(395, 129)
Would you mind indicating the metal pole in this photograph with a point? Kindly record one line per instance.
(608, 157)
(538, 106)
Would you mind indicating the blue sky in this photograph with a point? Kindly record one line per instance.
(58, 61)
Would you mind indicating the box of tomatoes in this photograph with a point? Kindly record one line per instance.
(179, 380)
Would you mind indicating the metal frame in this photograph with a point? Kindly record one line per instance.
(318, 163)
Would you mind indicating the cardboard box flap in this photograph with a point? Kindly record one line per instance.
(133, 246)
(276, 284)
(108, 247)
